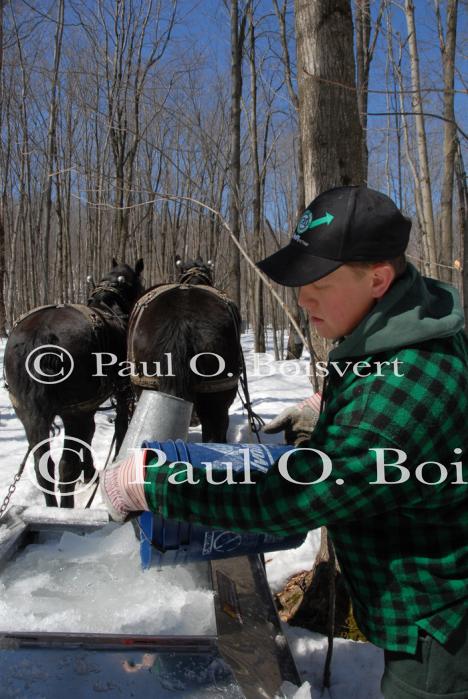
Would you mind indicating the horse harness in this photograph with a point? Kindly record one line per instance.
(113, 289)
(195, 272)
(97, 320)
(215, 385)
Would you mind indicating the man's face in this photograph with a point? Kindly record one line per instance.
(337, 303)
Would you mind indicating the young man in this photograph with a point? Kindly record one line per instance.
(383, 467)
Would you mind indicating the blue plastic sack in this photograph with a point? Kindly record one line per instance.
(168, 542)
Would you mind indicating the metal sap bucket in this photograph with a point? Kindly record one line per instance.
(168, 542)
(157, 416)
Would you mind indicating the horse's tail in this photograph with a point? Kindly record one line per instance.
(175, 352)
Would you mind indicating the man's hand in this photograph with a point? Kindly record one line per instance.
(110, 494)
(297, 422)
(122, 488)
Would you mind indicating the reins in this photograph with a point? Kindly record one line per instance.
(255, 421)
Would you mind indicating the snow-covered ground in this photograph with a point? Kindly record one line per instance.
(356, 667)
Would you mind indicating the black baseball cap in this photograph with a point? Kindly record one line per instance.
(344, 224)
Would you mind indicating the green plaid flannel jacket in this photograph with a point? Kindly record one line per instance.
(402, 547)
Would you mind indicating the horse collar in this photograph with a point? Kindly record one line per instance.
(193, 272)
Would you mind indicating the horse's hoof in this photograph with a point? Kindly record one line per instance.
(194, 420)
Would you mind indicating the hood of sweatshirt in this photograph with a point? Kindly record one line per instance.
(413, 310)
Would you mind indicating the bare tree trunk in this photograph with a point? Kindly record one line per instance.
(59, 268)
(259, 326)
(393, 108)
(281, 15)
(295, 345)
(330, 128)
(364, 55)
(363, 30)
(3, 332)
(237, 44)
(462, 189)
(70, 292)
(447, 48)
(410, 160)
(424, 179)
(2, 200)
(332, 149)
(52, 146)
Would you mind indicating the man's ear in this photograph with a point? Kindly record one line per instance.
(383, 275)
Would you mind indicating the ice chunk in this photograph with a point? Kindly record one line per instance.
(290, 691)
(93, 583)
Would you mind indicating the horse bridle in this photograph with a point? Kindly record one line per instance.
(113, 289)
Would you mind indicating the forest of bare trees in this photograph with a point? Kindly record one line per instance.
(135, 128)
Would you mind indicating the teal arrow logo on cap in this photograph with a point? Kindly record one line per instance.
(307, 222)
(328, 218)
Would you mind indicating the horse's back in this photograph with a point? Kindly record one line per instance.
(203, 315)
(197, 327)
(40, 346)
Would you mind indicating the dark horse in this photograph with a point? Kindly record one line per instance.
(192, 330)
(35, 374)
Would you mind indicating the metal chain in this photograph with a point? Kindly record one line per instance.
(11, 490)
(14, 483)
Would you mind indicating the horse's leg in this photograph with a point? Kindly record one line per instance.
(213, 411)
(37, 427)
(76, 458)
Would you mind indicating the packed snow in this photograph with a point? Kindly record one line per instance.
(39, 584)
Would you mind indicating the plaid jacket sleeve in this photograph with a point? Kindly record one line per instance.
(294, 496)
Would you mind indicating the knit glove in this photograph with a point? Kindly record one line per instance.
(122, 487)
(297, 422)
